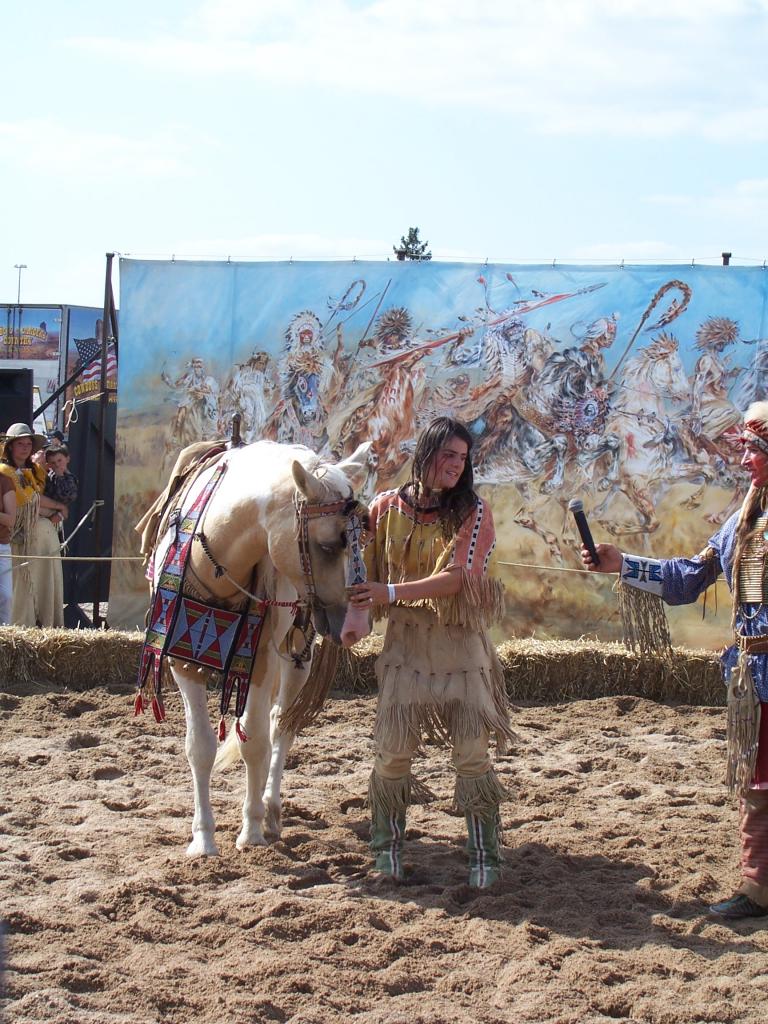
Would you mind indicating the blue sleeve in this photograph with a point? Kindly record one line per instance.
(684, 579)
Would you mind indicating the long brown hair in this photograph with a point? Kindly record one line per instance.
(454, 503)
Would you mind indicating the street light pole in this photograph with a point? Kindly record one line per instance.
(19, 267)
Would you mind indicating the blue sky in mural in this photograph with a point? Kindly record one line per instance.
(224, 312)
(566, 129)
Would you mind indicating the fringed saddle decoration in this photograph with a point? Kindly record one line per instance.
(218, 639)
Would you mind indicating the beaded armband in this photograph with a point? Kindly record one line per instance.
(641, 573)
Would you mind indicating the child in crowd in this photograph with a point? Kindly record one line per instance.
(60, 484)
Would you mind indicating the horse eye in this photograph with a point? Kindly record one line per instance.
(328, 549)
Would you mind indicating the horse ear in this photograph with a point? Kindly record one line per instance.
(306, 482)
(356, 466)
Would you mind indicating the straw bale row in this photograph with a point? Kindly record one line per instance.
(536, 671)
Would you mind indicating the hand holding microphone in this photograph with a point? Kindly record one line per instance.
(576, 506)
(609, 557)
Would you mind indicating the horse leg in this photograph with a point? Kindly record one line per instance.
(559, 447)
(256, 749)
(643, 503)
(200, 747)
(292, 679)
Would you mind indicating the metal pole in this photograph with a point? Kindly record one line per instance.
(19, 267)
(103, 400)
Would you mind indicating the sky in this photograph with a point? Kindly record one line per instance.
(568, 130)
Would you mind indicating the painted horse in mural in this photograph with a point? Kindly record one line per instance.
(299, 416)
(656, 447)
(276, 529)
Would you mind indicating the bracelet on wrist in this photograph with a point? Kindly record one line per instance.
(391, 592)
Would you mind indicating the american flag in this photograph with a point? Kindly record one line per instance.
(87, 348)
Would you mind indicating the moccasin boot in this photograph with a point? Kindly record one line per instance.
(387, 832)
(738, 906)
(483, 849)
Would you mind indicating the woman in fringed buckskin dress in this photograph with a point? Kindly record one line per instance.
(740, 551)
(439, 676)
(37, 586)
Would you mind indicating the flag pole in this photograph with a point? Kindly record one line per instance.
(106, 323)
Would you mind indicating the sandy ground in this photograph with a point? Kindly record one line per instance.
(619, 833)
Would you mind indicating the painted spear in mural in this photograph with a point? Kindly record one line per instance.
(672, 312)
(348, 301)
(521, 306)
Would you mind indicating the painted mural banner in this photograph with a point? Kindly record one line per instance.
(622, 386)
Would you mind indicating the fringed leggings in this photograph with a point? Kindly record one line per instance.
(470, 758)
(477, 790)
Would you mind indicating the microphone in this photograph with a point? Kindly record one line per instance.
(576, 506)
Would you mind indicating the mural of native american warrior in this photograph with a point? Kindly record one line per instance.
(714, 419)
(656, 449)
(197, 409)
(387, 392)
(249, 391)
(306, 370)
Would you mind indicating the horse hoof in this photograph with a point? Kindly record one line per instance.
(250, 837)
(272, 824)
(202, 846)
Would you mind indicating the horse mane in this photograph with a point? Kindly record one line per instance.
(332, 480)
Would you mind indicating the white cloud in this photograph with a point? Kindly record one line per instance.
(299, 246)
(91, 155)
(745, 203)
(610, 66)
(628, 251)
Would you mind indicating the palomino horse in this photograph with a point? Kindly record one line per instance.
(249, 545)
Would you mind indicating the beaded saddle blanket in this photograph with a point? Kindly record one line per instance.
(219, 639)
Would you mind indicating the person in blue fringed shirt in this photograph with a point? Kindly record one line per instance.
(740, 551)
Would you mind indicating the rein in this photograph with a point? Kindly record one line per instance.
(356, 515)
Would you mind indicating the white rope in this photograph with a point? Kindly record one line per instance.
(96, 504)
(81, 558)
(555, 568)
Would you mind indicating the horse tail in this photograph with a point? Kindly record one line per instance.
(228, 752)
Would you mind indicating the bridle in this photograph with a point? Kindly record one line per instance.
(356, 515)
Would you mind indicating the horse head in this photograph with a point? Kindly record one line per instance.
(329, 525)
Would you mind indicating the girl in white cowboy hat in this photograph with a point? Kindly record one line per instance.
(37, 585)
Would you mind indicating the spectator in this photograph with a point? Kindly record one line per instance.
(60, 484)
(37, 586)
(7, 524)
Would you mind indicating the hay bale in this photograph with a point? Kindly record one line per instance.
(355, 673)
(76, 658)
(556, 670)
(535, 671)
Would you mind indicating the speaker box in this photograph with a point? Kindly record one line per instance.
(87, 583)
(15, 397)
